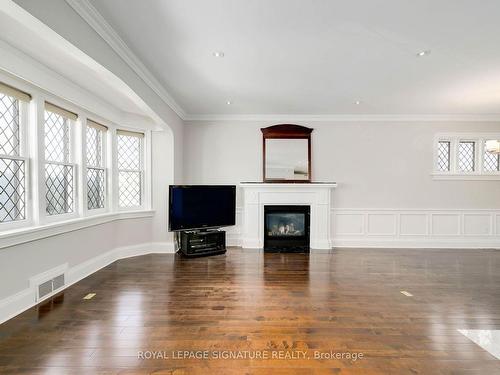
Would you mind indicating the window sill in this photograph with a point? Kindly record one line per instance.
(28, 234)
(466, 177)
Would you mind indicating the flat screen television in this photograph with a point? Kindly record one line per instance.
(201, 206)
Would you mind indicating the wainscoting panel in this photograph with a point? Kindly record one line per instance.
(406, 228)
(413, 224)
(381, 224)
(416, 228)
(478, 224)
(350, 223)
(446, 224)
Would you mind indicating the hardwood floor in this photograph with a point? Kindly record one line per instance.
(347, 301)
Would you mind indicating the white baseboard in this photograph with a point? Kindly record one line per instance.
(25, 299)
(233, 243)
(416, 244)
(162, 248)
(16, 304)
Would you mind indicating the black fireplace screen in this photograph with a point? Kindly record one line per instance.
(286, 228)
(285, 224)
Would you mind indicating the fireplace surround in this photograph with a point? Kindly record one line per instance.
(286, 228)
(316, 195)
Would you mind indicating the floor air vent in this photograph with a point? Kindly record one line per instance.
(48, 282)
(50, 286)
(44, 289)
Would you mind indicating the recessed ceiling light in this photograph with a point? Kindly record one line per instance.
(424, 53)
(229, 102)
(357, 102)
(218, 54)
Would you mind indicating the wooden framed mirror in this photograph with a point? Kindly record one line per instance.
(286, 153)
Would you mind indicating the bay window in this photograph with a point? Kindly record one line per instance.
(58, 164)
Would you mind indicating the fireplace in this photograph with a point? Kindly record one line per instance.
(286, 228)
(318, 196)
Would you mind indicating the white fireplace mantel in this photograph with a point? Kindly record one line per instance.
(258, 195)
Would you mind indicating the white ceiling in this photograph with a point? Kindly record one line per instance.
(317, 57)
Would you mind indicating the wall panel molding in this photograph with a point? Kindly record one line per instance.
(417, 228)
(405, 228)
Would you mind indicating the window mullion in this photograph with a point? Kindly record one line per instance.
(146, 170)
(113, 166)
(37, 154)
(81, 147)
(453, 155)
(13, 157)
(61, 163)
(477, 163)
(131, 170)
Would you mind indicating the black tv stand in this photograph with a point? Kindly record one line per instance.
(197, 243)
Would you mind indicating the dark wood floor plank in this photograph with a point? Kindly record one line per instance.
(343, 300)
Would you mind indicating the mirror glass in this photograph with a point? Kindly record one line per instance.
(287, 159)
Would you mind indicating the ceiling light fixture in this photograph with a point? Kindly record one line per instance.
(218, 54)
(424, 53)
(229, 102)
(493, 146)
(357, 102)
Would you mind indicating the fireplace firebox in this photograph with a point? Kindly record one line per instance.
(286, 228)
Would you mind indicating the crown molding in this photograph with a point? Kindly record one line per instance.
(348, 118)
(97, 22)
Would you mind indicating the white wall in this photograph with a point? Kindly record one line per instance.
(386, 195)
(377, 165)
(162, 176)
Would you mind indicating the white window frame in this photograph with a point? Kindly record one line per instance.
(454, 173)
(482, 159)
(105, 167)
(24, 154)
(73, 127)
(144, 146)
(436, 156)
(477, 165)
